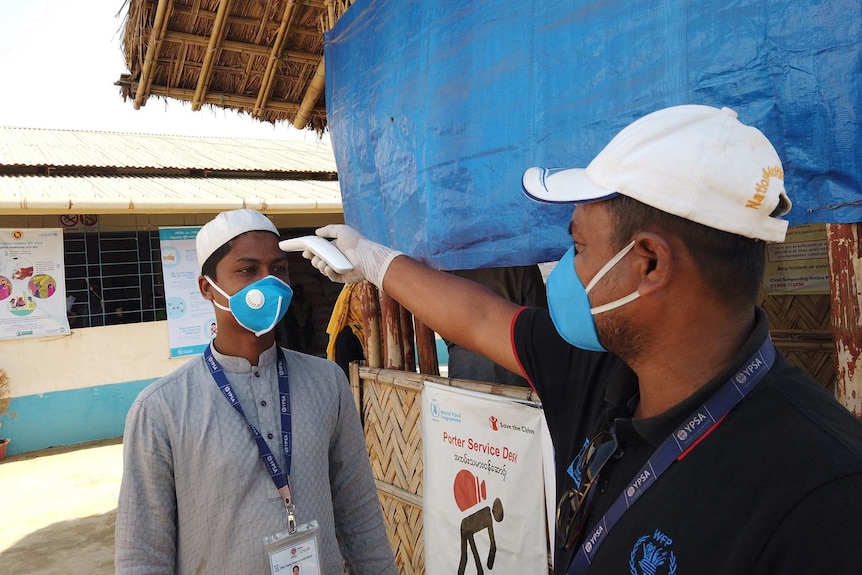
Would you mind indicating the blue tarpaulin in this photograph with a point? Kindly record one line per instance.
(436, 108)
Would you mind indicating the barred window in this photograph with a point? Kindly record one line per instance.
(115, 277)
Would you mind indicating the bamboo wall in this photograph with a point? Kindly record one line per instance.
(801, 328)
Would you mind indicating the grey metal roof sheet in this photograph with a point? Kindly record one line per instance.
(106, 194)
(42, 147)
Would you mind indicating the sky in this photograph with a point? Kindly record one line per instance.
(59, 60)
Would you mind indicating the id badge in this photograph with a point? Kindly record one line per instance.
(294, 553)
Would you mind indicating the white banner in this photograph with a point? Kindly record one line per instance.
(32, 283)
(191, 319)
(483, 488)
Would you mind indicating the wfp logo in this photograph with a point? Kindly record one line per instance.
(492, 421)
(652, 555)
(441, 414)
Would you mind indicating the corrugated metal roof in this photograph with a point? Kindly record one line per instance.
(104, 194)
(40, 147)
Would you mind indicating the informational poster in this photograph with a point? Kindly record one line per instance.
(483, 498)
(800, 264)
(32, 283)
(191, 319)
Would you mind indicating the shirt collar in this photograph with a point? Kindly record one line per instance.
(656, 429)
(233, 364)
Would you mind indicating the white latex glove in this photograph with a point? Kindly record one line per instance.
(370, 260)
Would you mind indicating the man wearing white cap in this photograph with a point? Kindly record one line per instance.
(684, 442)
(249, 441)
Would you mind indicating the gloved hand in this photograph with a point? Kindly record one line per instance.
(370, 260)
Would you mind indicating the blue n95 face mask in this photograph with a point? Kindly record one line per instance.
(569, 302)
(259, 306)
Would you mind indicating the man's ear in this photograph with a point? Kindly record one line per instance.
(655, 261)
(205, 288)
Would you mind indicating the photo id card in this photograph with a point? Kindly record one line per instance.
(294, 553)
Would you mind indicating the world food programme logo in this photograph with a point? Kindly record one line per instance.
(652, 555)
(442, 414)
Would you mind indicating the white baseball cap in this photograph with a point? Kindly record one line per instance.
(225, 227)
(696, 162)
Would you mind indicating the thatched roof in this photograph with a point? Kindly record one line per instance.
(260, 57)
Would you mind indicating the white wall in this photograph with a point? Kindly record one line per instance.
(88, 357)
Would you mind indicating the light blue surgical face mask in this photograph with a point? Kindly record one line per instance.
(259, 306)
(569, 302)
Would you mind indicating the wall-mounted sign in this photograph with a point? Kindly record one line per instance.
(800, 264)
(75, 221)
(32, 283)
(191, 319)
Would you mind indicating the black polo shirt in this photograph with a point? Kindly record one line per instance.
(775, 488)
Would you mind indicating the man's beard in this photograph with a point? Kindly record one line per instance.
(620, 337)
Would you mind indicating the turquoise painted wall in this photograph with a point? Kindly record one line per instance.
(68, 417)
(442, 352)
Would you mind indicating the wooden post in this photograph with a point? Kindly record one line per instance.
(390, 314)
(845, 285)
(407, 336)
(356, 388)
(371, 325)
(426, 348)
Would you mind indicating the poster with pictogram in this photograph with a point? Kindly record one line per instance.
(191, 319)
(32, 283)
(483, 488)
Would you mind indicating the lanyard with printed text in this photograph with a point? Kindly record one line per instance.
(674, 448)
(279, 477)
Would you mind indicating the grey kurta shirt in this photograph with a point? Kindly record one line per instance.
(196, 497)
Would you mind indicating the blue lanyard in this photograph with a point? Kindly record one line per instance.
(279, 477)
(674, 448)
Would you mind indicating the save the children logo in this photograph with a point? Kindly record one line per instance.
(652, 555)
(497, 425)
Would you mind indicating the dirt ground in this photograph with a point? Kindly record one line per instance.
(58, 508)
